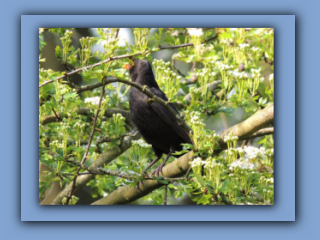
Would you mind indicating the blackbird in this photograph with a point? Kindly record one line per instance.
(154, 122)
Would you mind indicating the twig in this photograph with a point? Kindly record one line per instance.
(150, 94)
(193, 66)
(100, 170)
(59, 119)
(174, 68)
(116, 58)
(117, 32)
(211, 87)
(102, 160)
(94, 125)
(85, 111)
(190, 81)
(187, 174)
(110, 139)
(88, 146)
(244, 143)
(90, 87)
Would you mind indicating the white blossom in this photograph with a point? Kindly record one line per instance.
(255, 49)
(263, 150)
(92, 100)
(197, 32)
(269, 180)
(271, 76)
(222, 66)
(141, 143)
(241, 165)
(251, 152)
(243, 45)
(197, 162)
(255, 72)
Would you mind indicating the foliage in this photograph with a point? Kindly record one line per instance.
(241, 58)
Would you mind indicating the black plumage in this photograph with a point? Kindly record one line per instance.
(154, 122)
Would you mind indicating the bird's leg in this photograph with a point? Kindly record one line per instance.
(145, 170)
(159, 169)
(151, 164)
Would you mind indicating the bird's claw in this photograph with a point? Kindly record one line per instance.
(157, 171)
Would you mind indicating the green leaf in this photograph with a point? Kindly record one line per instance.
(186, 146)
(172, 186)
(180, 152)
(58, 52)
(70, 95)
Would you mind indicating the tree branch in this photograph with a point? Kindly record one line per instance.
(102, 160)
(128, 194)
(100, 170)
(88, 146)
(180, 166)
(91, 87)
(150, 94)
(211, 86)
(120, 57)
(245, 129)
(85, 111)
(261, 132)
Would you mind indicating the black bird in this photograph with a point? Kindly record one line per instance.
(154, 122)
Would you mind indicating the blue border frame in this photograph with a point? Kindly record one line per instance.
(284, 208)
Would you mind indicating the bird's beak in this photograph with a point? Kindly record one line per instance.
(127, 66)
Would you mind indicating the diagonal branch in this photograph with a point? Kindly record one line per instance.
(120, 57)
(85, 111)
(88, 146)
(261, 132)
(210, 87)
(180, 166)
(128, 194)
(245, 129)
(102, 160)
(153, 97)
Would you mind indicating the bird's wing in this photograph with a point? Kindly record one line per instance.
(167, 117)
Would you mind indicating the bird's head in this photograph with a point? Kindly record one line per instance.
(141, 72)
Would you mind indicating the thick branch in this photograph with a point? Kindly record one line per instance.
(245, 129)
(102, 171)
(261, 132)
(180, 166)
(128, 194)
(102, 160)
